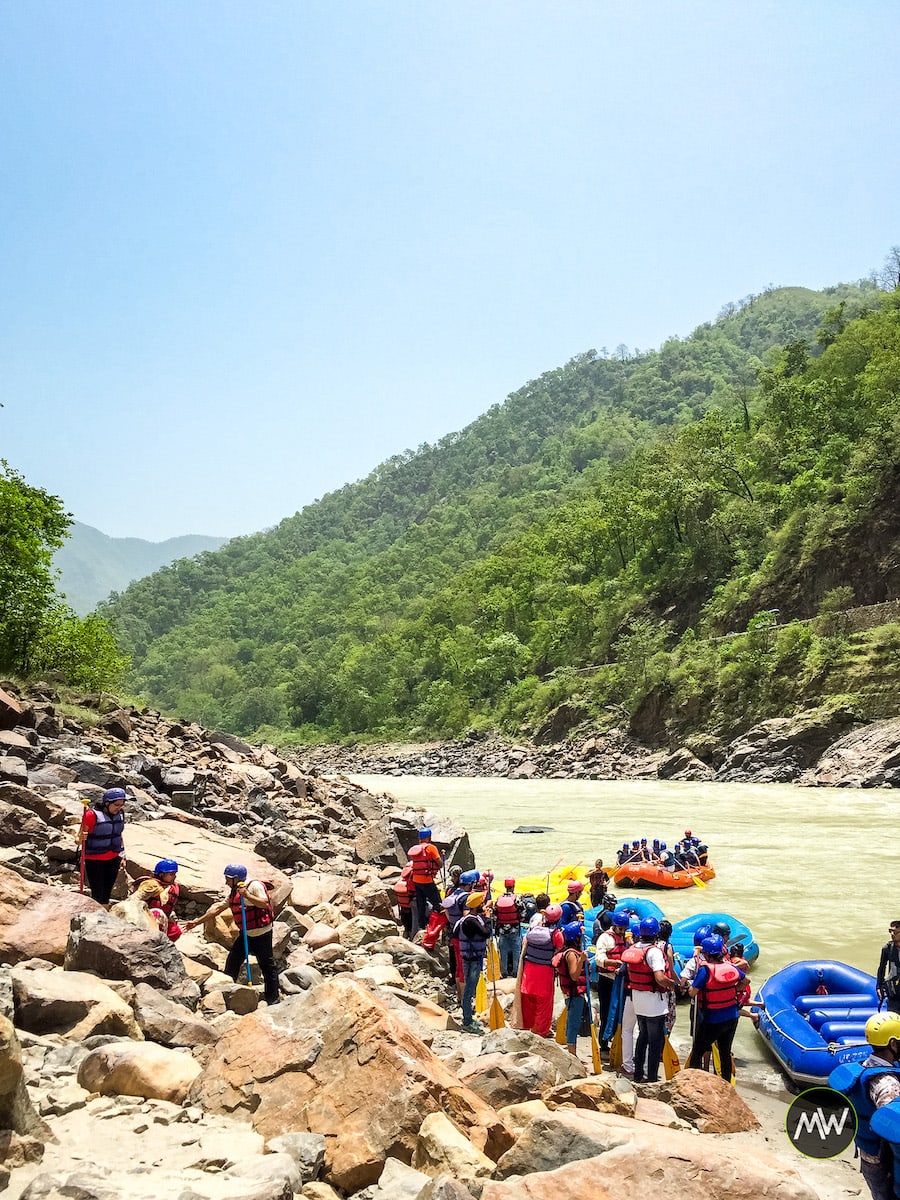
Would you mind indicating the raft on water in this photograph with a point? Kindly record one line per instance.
(815, 1017)
(559, 879)
(644, 874)
(683, 934)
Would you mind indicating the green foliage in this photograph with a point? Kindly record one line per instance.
(83, 649)
(590, 539)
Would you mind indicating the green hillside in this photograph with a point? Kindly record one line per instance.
(91, 564)
(581, 541)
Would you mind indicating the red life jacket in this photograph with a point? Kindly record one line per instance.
(169, 907)
(568, 987)
(614, 955)
(640, 977)
(401, 891)
(721, 987)
(425, 866)
(507, 910)
(257, 918)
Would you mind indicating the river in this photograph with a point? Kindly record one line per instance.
(809, 870)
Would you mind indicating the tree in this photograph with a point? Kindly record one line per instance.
(889, 275)
(32, 525)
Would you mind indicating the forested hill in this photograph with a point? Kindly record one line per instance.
(604, 511)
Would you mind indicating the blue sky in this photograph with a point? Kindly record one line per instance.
(250, 251)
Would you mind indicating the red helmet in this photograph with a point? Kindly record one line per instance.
(509, 883)
(574, 886)
(552, 913)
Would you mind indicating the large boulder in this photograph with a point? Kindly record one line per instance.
(70, 1003)
(315, 1064)
(19, 827)
(780, 749)
(138, 1069)
(202, 857)
(868, 757)
(512, 1078)
(22, 797)
(317, 887)
(440, 1147)
(35, 918)
(610, 1157)
(16, 1110)
(100, 943)
(711, 1104)
(167, 1022)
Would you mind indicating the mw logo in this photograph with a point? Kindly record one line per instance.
(824, 1124)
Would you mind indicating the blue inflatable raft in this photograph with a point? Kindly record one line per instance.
(815, 1017)
(683, 934)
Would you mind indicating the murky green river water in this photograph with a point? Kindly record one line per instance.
(813, 872)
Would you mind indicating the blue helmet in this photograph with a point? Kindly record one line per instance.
(713, 944)
(423, 834)
(469, 877)
(620, 919)
(624, 845)
(703, 932)
(663, 846)
(643, 841)
(113, 795)
(635, 928)
(166, 866)
(572, 932)
(677, 845)
(656, 843)
(635, 842)
(568, 912)
(649, 927)
(235, 871)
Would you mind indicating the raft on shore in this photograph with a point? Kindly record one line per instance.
(815, 1017)
(644, 874)
(683, 934)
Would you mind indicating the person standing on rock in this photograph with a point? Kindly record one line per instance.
(101, 843)
(887, 983)
(473, 930)
(610, 946)
(570, 969)
(403, 894)
(650, 984)
(509, 912)
(537, 975)
(427, 864)
(250, 897)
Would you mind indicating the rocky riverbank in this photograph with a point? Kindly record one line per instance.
(131, 1065)
(833, 748)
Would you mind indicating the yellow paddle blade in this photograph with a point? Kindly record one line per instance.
(717, 1065)
(615, 1050)
(670, 1060)
(481, 995)
(698, 882)
(492, 965)
(561, 1027)
(595, 1052)
(496, 1020)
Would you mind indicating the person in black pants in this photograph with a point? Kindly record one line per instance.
(252, 912)
(887, 982)
(715, 987)
(101, 844)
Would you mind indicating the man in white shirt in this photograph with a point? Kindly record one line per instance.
(650, 984)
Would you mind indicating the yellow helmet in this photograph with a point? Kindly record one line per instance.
(882, 1027)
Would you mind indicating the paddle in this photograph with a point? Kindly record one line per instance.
(496, 1020)
(481, 995)
(246, 941)
(698, 882)
(670, 1060)
(632, 858)
(550, 871)
(85, 802)
(492, 964)
(561, 1026)
(717, 1065)
(595, 1047)
(612, 1030)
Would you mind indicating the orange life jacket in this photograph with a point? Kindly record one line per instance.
(257, 918)
(640, 977)
(721, 987)
(426, 862)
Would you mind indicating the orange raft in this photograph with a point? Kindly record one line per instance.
(644, 874)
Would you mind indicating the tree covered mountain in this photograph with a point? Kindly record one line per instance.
(92, 564)
(584, 541)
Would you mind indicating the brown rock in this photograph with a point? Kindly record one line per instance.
(22, 797)
(648, 1160)
(35, 918)
(10, 710)
(315, 1066)
(138, 1069)
(505, 1078)
(70, 1003)
(13, 769)
(711, 1104)
(105, 946)
(598, 1093)
(17, 1113)
(315, 887)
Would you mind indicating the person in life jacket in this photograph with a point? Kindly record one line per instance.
(427, 864)
(473, 931)
(650, 984)
(870, 1086)
(101, 843)
(623, 854)
(609, 947)
(598, 881)
(260, 917)
(509, 912)
(574, 890)
(161, 893)
(644, 853)
(569, 964)
(536, 987)
(404, 895)
(887, 980)
(454, 904)
(689, 854)
(665, 944)
(716, 986)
